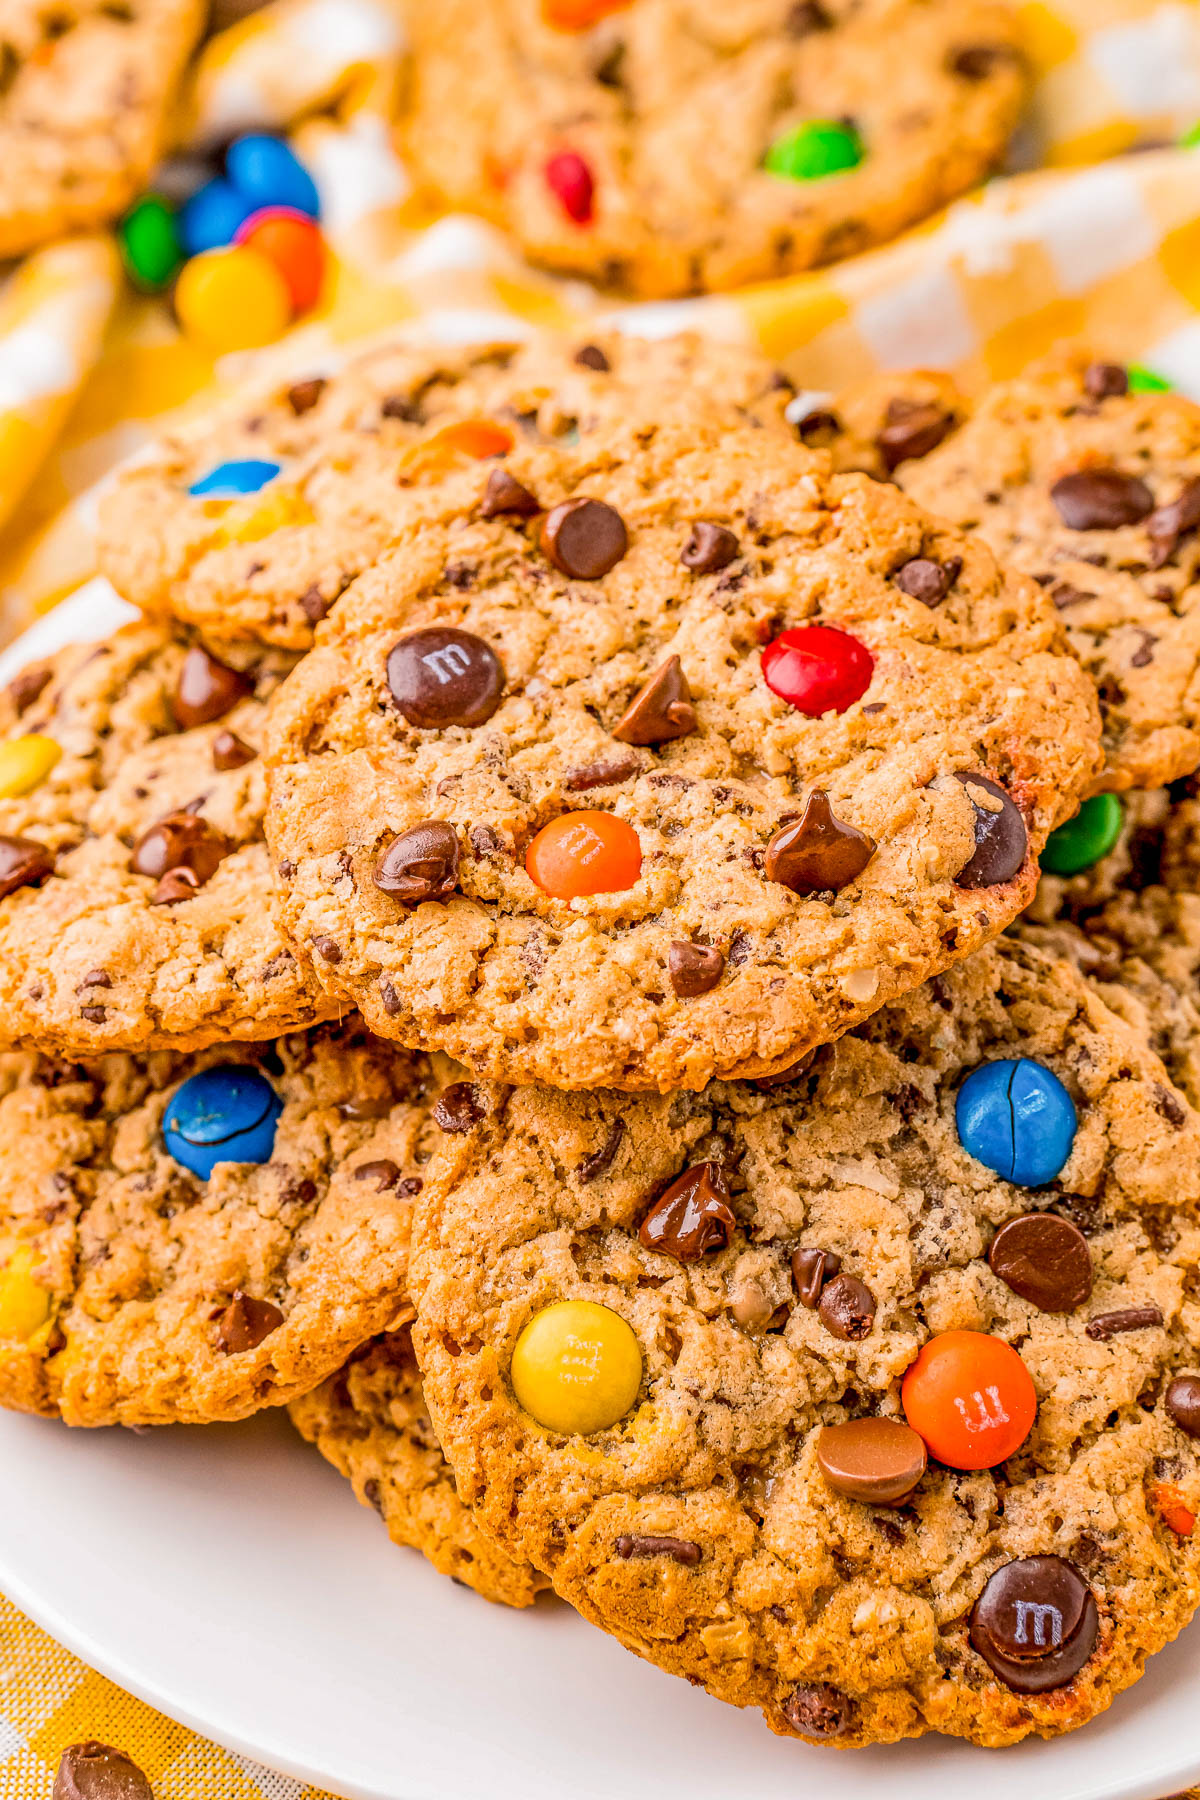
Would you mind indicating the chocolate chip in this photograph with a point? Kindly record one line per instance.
(1101, 500)
(693, 1216)
(25, 688)
(680, 1550)
(585, 538)
(505, 496)
(847, 1307)
(793, 1071)
(818, 1710)
(805, 17)
(384, 1173)
(1127, 1318)
(441, 676)
(976, 62)
(95, 1015)
(1035, 1623)
(1105, 381)
(912, 428)
(878, 1461)
(367, 1106)
(314, 605)
(819, 853)
(229, 752)
(389, 999)
(95, 978)
(600, 774)
(180, 841)
(93, 1771)
(1168, 525)
(421, 864)
(1001, 840)
(1045, 1260)
(402, 406)
(709, 548)
(175, 886)
(601, 1160)
(460, 1107)
(811, 1269)
(206, 689)
(23, 863)
(660, 710)
(302, 396)
(694, 969)
(1143, 656)
(591, 356)
(927, 581)
(246, 1323)
(1183, 1403)
(328, 949)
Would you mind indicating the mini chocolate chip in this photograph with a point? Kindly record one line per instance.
(1126, 1318)
(1171, 1108)
(878, 1461)
(1064, 595)
(246, 1323)
(927, 581)
(23, 863)
(660, 710)
(805, 17)
(441, 676)
(180, 841)
(600, 774)
(912, 428)
(389, 999)
(94, 1771)
(314, 605)
(694, 969)
(811, 1269)
(25, 688)
(680, 1550)
(229, 751)
(693, 1216)
(95, 978)
(1105, 381)
(1101, 500)
(710, 547)
(175, 886)
(402, 406)
(1035, 1623)
(206, 689)
(591, 356)
(384, 1173)
(328, 949)
(1001, 840)
(460, 1107)
(95, 1015)
(505, 496)
(976, 62)
(1183, 1403)
(1168, 525)
(585, 538)
(601, 1161)
(421, 864)
(818, 1710)
(1045, 1260)
(302, 396)
(847, 1307)
(819, 853)
(1143, 656)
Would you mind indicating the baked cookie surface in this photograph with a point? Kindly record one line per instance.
(371, 1422)
(676, 778)
(85, 89)
(757, 1276)
(135, 888)
(669, 147)
(337, 466)
(135, 1288)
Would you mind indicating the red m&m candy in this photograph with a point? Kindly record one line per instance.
(817, 669)
(570, 181)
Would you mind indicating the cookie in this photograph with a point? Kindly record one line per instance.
(667, 147)
(679, 777)
(819, 1404)
(185, 1238)
(371, 1422)
(253, 523)
(85, 91)
(136, 905)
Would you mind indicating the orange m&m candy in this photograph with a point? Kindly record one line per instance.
(294, 244)
(579, 15)
(467, 438)
(584, 853)
(971, 1398)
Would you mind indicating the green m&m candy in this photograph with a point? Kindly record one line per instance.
(818, 147)
(1145, 381)
(150, 243)
(1084, 839)
(1191, 137)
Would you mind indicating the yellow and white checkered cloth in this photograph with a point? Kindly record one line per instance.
(1080, 239)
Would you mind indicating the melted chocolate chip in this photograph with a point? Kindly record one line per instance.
(302, 396)
(246, 1323)
(1168, 525)
(23, 863)
(591, 356)
(927, 581)
(819, 853)
(206, 689)
(660, 710)
(180, 841)
(94, 1771)
(1105, 381)
(878, 1461)
(384, 1173)
(421, 864)
(601, 1161)
(847, 1307)
(693, 1216)
(229, 751)
(1127, 1318)
(811, 1269)
(680, 1550)
(1101, 500)
(818, 1710)
(505, 497)
(460, 1107)
(694, 969)
(1001, 840)
(1045, 1260)
(585, 538)
(441, 676)
(1183, 1403)
(912, 428)
(709, 548)
(1035, 1623)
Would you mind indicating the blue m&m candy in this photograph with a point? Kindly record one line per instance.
(222, 1115)
(230, 480)
(212, 215)
(1018, 1119)
(266, 172)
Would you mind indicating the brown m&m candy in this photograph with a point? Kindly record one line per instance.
(1101, 500)
(820, 853)
(1045, 1260)
(879, 1461)
(420, 864)
(94, 1771)
(1001, 840)
(1035, 1623)
(206, 689)
(585, 538)
(1183, 1403)
(23, 863)
(693, 1216)
(442, 676)
(660, 710)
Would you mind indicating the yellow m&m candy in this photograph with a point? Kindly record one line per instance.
(233, 299)
(577, 1368)
(25, 763)
(25, 1305)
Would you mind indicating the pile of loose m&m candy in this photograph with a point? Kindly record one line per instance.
(245, 251)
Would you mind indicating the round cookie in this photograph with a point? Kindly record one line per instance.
(477, 722)
(792, 1260)
(363, 454)
(665, 147)
(371, 1422)
(136, 904)
(135, 1291)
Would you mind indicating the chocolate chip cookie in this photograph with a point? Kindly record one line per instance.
(185, 1238)
(870, 1398)
(672, 147)
(677, 775)
(371, 1422)
(253, 523)
(136, 903)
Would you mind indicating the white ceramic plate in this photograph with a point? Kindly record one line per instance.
(227, 1577)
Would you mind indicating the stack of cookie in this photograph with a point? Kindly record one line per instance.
(520, 955)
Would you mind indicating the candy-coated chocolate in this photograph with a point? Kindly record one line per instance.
(211, 217)
(570, 181)
(576, 1368)
(25, 1305)
(1035, 1623)
(817, 669)
(230, 480)
(1016, 1117)
(294, 244)
(233, 299)
(971, 1398)
(267, 173)
(221, 1115)
(150, 243)
(25, 763)
(584, 853)
(817, 148)
(1083, 840)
